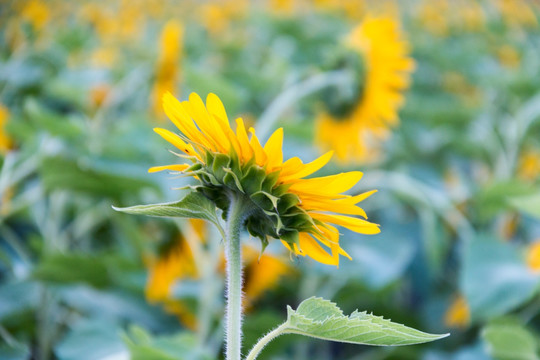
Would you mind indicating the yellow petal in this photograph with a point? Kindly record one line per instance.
(357, 198)
(351, 223)
(178, 167)
(329, 205)
(181, 118)
(274, 150)
(215, 107)
(247, 152)
(260, 155)
(177, 141)
(327, 185)
(311, 248)
(309, 168)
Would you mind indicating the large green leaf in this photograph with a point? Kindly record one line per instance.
(507, 339)
(193, 206)
(322, 319)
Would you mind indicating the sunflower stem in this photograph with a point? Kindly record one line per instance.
(238, 211)
(256, 350)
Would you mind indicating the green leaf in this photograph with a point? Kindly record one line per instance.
(322, 319)
(509, 340)
(193, 206)
(527, 204)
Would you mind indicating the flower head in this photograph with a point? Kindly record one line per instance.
(167, 65)
(387, 72)
(458, 314)
(284, 204)
(533, 256)
(5, 140)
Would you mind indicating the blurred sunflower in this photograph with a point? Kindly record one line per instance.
(355, 135)
(281, 203)
(37, 13)
(518, 13)
(173, 264)
(458, 314)
(533, 256)
(176, 263)
(529, 165)
(216, 16)
(5, 140)
(167, 64)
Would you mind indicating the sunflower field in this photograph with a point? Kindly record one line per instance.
(299, 160)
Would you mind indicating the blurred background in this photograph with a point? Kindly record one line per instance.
(437, 102)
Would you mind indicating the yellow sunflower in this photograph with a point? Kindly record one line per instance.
(5, 140)
(282, 203)
(164, 271)
(167, 65)
(354, 136)
(458, 314)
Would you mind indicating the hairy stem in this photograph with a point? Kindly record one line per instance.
(265, 340)
(238, 211)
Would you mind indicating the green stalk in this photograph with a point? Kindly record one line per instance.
(238, 211)
(265, 340)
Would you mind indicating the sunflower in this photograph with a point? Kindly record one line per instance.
(167, 65)
(281, 202)
(5, 140)
(173, 264)
(355, 135)
(458, 314)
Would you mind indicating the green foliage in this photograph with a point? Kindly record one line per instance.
(495, 278)
(142, 346)
(322, 319)
(458, 206)
(528, 204)
(508, 339)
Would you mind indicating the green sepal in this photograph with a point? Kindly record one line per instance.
(253, 179)
(231, 179)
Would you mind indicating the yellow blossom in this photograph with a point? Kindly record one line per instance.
(355, 136)
(167, 64)
(301, 212)
(508, 56)
(529, 165)
(216, 16)
(98, 94)
(173, 265)
(517, 13)
(433, 15)
(5, 141)
(262, 272)
(36, 12)
(533, 256)
(458, 314)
